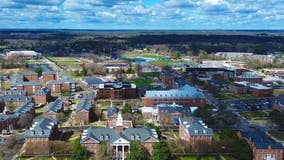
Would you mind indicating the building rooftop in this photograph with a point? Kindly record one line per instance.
(13, 92)
(196, 127)
(93, 80)
(16, 98)
(260, 139)
(172, 108)
(117, 85)
(111, 134)
(112, 110)
(186, 91)
(280, 100)
(18, 112)
(84, 104)
(55, 106)
(41, 128)
(249, 75)
(42, 91)
(252, 85)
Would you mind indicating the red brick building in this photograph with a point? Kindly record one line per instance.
(9, 120)
(49, 76)
(53, 109)
(263, 147)
(249, 77)
(42, 96)
(257, 90)
(116, 90)
(119, 138)
(185, 96)
(84, 111)
(38, 139)
(193, 130)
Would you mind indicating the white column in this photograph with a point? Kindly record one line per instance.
(122, 152)
(116, 151)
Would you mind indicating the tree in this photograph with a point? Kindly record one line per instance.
(38, 70)
(105, 152)
(10, 106)
(161, 151)
(84, 70)
(204, 55)
(25, 120)
(137, 151)
(79, 152)
(176, 55)
(126, 108)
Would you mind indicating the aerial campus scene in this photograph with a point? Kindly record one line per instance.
(141, 79)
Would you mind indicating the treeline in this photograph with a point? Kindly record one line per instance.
(64, 43)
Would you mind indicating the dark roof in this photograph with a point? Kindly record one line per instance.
(173, 109)
(260, 139)
(42, 91)
(16, 98)
(84, 104)
(196, 127)
(18, 112)
(13, 92)
(111, 134)
(41, 128)
(93, 80)
(112, 110)
(55, 106)
(280, 99)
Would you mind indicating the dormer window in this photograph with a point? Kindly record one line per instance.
(102, 137)
(137, 137)
(132, 137)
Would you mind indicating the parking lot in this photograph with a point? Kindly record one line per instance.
(251, 104)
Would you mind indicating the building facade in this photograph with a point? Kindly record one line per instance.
(116, 90)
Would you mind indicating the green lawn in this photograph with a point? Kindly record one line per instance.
(104, 104)
(142, 82)
(205, 158)
(151, 74)
(256, 115)
(225, 95)
(277, 134)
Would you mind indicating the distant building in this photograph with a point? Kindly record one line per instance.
(49, 76)
(119, 138)
(63, 82)
(53, 109)
(38, 139)
(16, 100)
(27, 81)
(279, 103)
(185, 96)
(233, 55)
(92, 82)
(194, 130)
(249, 77)
(263, 147)
(117, 90)
(116, 66)
(168, 76)
(254, 89)
(25, 54)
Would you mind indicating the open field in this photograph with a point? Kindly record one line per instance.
(225, 95)
(135, 54)
(206, 158)
(256, 115)
(12, 71)
(277, 134)
(66, 60)
(141, 82)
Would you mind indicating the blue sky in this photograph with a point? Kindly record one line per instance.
(142, 14)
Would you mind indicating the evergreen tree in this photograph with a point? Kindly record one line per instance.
(38, 70)
(126, 108)
(136, 151)
(105, 152)
(161, 151)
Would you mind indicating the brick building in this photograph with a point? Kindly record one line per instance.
(27, 81)
(49, 76)
(279, 103)
(193, 130)
(42, 96)
(84, 111)
(38, 139)
(168, 76)
(249, 77)
(185, 96)
(62, 82)
(53, 109)
(255, 89)
(263, 147)
(9, 120)
(116, 90)
(119, 138)
(16, 100)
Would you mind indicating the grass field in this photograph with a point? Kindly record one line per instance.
(277, 134)
(206, 158)
(225, 95)
(66, 60)
(256, 115)
(135, 54)
(104, 104)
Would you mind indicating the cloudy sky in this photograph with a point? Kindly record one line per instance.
(142, 14)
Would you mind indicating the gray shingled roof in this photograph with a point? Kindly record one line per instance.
(42, 91)
(111, 134)
(84, 104)
(16, 98)
(18, 112)
(41, 128)
(112, 110)
(186, 91)
(55, 106)
(13, 92)
(196, 127)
